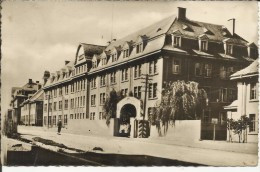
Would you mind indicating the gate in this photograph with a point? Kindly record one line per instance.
(207, 131)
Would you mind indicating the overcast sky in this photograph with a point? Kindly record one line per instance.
(41, 35)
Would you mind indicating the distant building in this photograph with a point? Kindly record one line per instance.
(20, 94)
(247, 102)
(32, 109)
(175, 48)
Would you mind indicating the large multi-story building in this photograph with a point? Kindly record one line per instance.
(32, 109)
(20, 94)
(175, 48)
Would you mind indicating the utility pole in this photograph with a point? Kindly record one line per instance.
(29, 112)
(145, 95)
(48, 110)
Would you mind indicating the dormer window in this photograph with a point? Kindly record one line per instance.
(229, 49)
(139, 48)
(114, 57)
(94, 64)
(176, 41)
(103, 61)
(204, 45)
(125, 53)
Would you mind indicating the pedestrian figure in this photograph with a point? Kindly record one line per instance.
(59, 126)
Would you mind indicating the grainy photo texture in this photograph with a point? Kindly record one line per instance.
(129, 83)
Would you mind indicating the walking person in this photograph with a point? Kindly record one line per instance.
(59, 126)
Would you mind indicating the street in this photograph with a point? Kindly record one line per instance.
(126, 146)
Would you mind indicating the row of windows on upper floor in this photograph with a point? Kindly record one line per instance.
(137, 70)
(79, 85)
(176, 42)
(152, 94)
(74, 103)
(125, 53)
(77, 70)
(204, 46)
(204, 69)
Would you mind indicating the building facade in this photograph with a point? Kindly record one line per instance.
(20, 94)
(247, 102)
(175, 48)
(32, 109)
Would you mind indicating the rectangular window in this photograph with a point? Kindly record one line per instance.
(253, 91)
(252, 124)
(71, 103)
(198, 69)
(101, 115)
(124, 92)
(139, 48)
(232, 95)
(152, 90)
(230, 71)
(176, 67)
(124, 73)
(102, 98)
(55, 106)
(113, 77)
(66, 89)
(54, 120)
(137, 92)
(60, 91)
(60, 105)
(103, 80)
(66, 104)
(151, 67)
(71, 116)
(45, 107)
(65, 120)
(208, 70)
(204, 45)
(223, 93)
(93, 100)
(223, 72)
(229, 49)
(83, 101)
(177, 41)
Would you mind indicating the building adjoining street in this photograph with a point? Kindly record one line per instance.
(175, 48)
(247, 102)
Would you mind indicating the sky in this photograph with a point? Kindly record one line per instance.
(40, 35)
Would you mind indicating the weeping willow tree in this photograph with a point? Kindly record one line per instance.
(180, 101)
(110, 105)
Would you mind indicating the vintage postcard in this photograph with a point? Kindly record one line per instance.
(129, 83)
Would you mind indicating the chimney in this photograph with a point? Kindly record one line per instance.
(181, 13)
(66, 62)
(30, 81)
(46, 75)
(234, 24)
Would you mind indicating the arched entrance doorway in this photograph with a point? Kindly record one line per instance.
(127, 111)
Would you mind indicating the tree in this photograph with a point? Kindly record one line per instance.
(180, 101)
(110, 105)
(238, 126)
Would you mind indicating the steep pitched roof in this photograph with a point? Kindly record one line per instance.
(151, 31)
(91, 49)
(213, 31)
(251, 70)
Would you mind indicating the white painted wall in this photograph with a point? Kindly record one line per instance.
(185, 130)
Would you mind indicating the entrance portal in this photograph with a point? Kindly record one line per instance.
(127, 111)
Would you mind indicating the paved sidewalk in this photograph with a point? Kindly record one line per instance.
(158, 148)
(249, 148)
